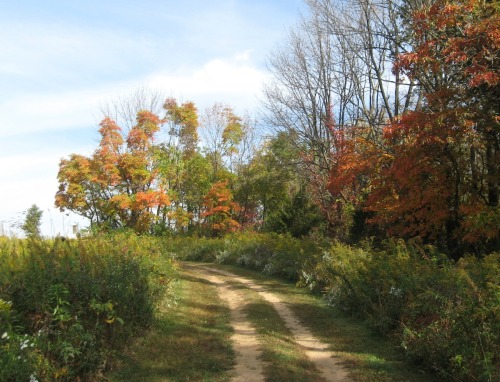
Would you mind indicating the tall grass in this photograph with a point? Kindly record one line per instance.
(66, 305)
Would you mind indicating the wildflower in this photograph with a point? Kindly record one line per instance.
(33, 378)
(24, 344)
(5, 335)
(396, 291)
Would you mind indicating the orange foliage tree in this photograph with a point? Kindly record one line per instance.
(354, 161)
(117, 185)
(219, 210)
(440, 180)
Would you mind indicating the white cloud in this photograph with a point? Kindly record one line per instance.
(234, 81)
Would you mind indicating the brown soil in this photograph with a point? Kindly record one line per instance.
(248, 367)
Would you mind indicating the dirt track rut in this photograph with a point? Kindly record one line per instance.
(249, 367)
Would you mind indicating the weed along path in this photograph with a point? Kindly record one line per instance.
(253, 358)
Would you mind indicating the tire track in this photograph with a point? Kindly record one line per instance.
(316, 350)
(249, 367)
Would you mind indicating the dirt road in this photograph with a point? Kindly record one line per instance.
(249, 367)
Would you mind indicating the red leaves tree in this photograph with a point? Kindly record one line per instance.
(441, 180)
(354, 162)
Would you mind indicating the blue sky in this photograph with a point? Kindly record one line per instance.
(61, 61)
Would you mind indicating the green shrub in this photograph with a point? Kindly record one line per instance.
(273, 254)
(453, 326)
(195, 248)
(17, 355)
(270, 253)
(77, 301)
(249, 249)
(444, 315)
(336, 272)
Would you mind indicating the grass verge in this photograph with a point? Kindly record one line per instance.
(189, 341)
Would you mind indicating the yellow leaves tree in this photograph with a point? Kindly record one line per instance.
(184, 124)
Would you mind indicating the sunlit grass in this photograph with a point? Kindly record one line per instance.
(189, 341)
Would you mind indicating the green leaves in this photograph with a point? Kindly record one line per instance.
(32, 221)
(65, 306)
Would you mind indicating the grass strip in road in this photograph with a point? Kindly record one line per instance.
(189, 341)
(284, 360)
(368, 356)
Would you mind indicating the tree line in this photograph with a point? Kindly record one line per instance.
(386, 123)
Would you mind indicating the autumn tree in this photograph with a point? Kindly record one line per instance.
(135, 180)
(355, 162)
(220, 210)
(334, 70)
(175, 158)
(183, 125)
(117, 185)
(441, 181)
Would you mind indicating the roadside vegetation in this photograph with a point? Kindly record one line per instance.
(69, 307)
(197, 323)
(365, 353)
(66, 306)
(444, 316)
(188, 341)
